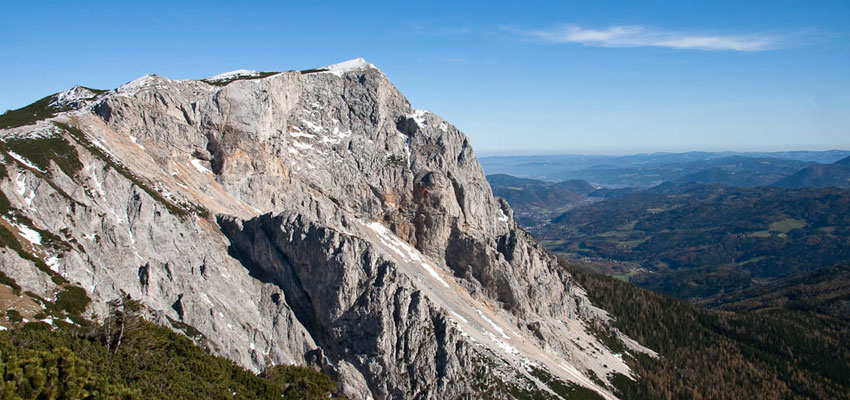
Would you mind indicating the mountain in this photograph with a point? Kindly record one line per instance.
(820, 175)
(646, 170)
(700, 241)
(534, 201)
(743, 171)
(302, 217)
(734, 171)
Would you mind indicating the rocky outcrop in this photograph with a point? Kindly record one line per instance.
(304, 217)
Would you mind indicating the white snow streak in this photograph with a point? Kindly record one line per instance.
(53, 263)
(21, 182)
(24, 161)
(26, 232)
(493, 324)
(200, 167)
(302, 146)
(313, 127)
(460, 317)
(135, 141)
(404, 250)
(298, 134)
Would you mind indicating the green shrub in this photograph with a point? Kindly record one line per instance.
(29, 114)
(14, 316)
(72, 299)
(395, 161)
(300, 382)
(129, 358)
(40, 151)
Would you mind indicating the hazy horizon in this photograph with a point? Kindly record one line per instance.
(552, 153)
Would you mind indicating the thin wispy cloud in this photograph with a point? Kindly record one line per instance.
(641, 36)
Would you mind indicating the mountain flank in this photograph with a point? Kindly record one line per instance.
(302, 217)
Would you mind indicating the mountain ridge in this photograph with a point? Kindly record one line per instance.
(836, 174)
(194, 198)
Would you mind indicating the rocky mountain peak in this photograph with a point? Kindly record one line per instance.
(304, 217)
(353, 65)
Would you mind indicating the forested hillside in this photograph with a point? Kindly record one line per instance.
(764, 351)
(699, 241)
(130, 358)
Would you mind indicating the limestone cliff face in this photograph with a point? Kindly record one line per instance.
(303, 217)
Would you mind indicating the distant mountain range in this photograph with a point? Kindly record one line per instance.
(820, 175)
(536, 201)
(647, 170)
(688, 240)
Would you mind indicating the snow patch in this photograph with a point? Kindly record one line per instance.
(53, 263)
(41, 130)
(233, 74)
(501, 344)
(72, 95)
(24, 161)
(302, 146)
(337, 136)
(313, 127)
(460, 317)
(419, 117)
(301, 134)
(503, 217)
(138, 84)
(21, 181)
(200, 167)
(97, 184)
(101, 146)
(135, 141)
(26, 232)
(357, 64)
(404, 250)
(493, 325)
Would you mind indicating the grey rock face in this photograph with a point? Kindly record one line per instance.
(351, 231)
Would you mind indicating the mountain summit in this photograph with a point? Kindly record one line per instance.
(307, 217)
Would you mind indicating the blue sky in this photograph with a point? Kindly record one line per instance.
(517, 77)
